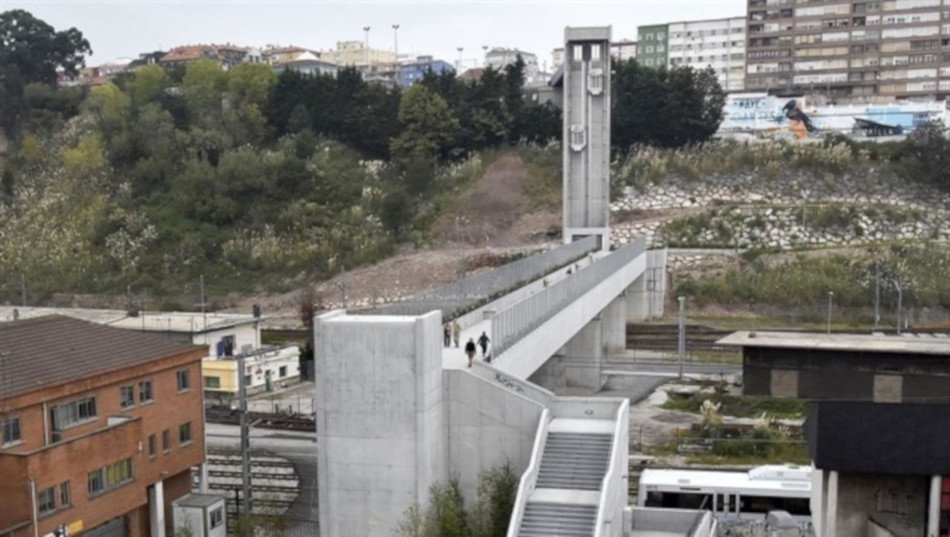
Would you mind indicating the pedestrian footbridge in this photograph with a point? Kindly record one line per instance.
(398, 411)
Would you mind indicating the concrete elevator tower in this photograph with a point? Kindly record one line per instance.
(587, 134)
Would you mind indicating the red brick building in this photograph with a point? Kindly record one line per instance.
(99, 428)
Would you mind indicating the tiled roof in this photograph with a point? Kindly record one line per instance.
(47, 351)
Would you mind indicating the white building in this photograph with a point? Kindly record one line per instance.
(621, 50)
(718, 43)
(498, 58)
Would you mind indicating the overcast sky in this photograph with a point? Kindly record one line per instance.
(125, 28)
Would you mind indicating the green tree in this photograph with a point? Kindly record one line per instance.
(663, 107)
(514, 98)
(32, 51)
(149, 84)
(928, 155)
(251, 83)
(203, 86)
(427, 125)
(497, 490)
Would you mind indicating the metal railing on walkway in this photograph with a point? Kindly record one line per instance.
(512, 324)
(466, 294)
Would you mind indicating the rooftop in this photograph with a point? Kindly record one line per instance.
(48, 351)
(909, 344)
(148, 321)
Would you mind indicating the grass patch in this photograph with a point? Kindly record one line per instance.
(742, 406)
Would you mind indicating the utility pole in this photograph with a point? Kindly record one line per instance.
(366, 29)
(900, 304)
(396, 51)
(245, 438)
(23, 289)
(682, 335)
(831, 296)
(877, 294)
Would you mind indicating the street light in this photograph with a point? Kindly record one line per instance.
(366, 29)
(396, 52)
(900, 304)
(458, 67)
(681, 344)
(485, 53)
(831, 296)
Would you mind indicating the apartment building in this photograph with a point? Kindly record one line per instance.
(652, 45)
(622, 50)
(356, 53)
(718, 43)
(499, 57)
(861, 50)
(100, 428)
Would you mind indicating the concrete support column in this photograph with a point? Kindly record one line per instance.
(615, 326)
(817, 500)
(584, 356)
(156, 509)
(203, 477)
(933, 506)
(636, 295)
(831, 507)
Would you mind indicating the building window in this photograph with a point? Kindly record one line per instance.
(152, 447)
(65, 497)
(46, 500)
(282, 372)
(145, 392)
(166, 440)
(247, 380)
(184, 434)
(212, 382)
(11, 431)
(183, 380)
(74, 413)
(127, 396)
(226, 346)
(217, 517)
(109, 477)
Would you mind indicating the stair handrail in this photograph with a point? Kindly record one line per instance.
(530, 476)
(612, 471)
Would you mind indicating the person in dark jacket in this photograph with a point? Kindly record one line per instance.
(470, 351)
(483, 343)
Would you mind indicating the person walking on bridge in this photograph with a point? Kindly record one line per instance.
(470, 351)
(483, 343)
(456, 332)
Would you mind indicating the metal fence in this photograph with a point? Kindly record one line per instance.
(512, 324)
(466, 294)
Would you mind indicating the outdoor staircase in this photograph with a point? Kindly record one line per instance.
(544, 519)
(567, 490)
(574, 461)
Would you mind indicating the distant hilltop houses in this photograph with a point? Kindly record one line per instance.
(376, 65)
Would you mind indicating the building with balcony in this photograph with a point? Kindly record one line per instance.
(498, 58)
(652, 45)
(619, 50)
(227, 56)
(358, 54)
(865, 50)
(413, 71)
(718, 44)
(100, 428)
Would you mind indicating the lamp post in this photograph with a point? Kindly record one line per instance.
(831, 296)
(366, 30)
(396, 53)
(485, 53)
(681, 344)
(458, 66)
(900, 305)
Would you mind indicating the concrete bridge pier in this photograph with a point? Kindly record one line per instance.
(615, 325)
(646, 296)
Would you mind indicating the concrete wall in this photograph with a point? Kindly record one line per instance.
(490, 422)
(866, 376)
(849, 503)
(615, 325)
(380, 419)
